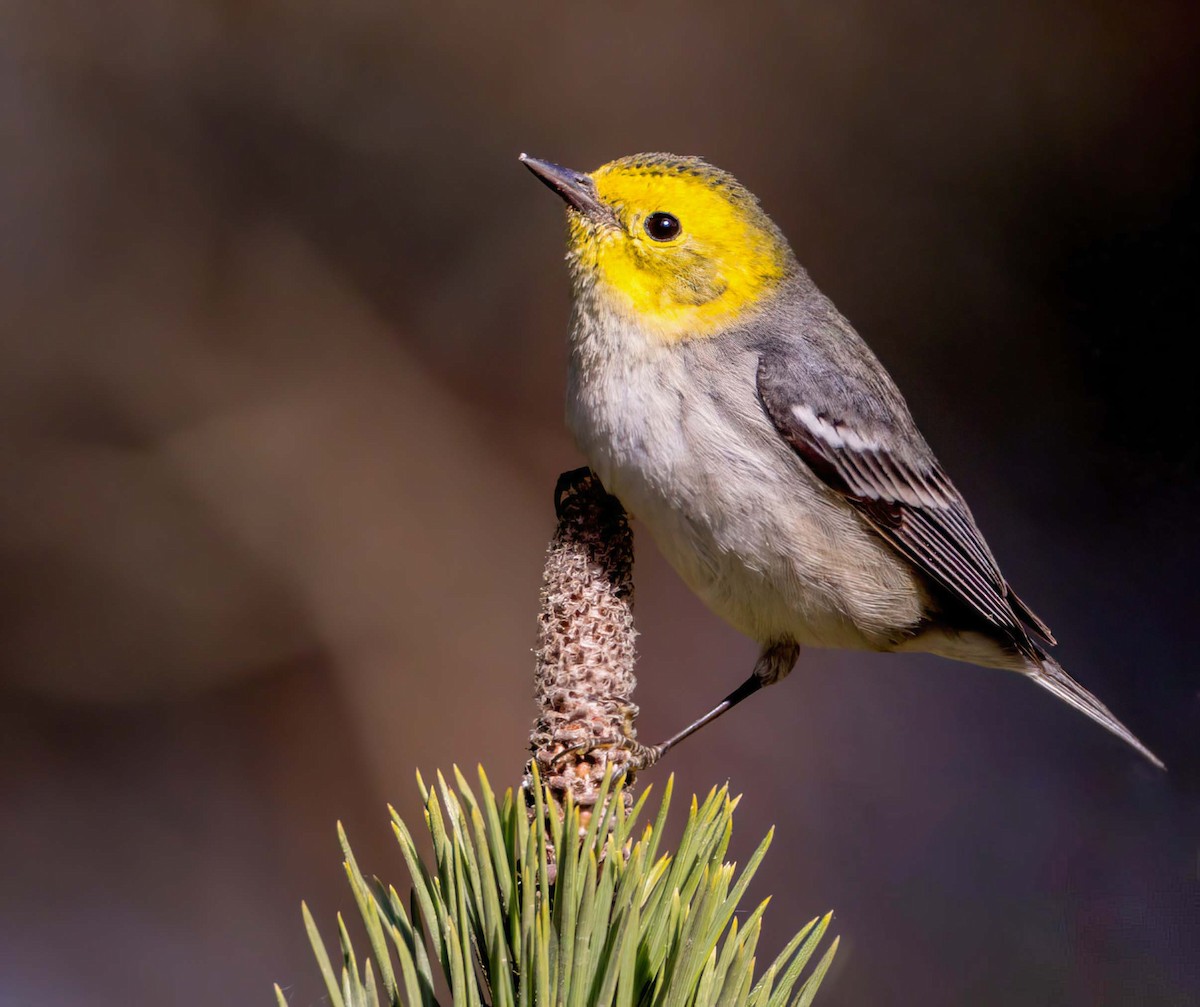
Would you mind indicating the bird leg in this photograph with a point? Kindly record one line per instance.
(774, 663)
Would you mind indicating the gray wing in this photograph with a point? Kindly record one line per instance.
(852, 428)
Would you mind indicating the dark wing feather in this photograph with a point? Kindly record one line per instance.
(899, 488)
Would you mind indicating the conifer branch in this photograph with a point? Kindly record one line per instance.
(560, 896)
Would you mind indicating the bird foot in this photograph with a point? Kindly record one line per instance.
(638, 756)
(568, 484)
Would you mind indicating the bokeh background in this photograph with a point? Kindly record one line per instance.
(281, 373)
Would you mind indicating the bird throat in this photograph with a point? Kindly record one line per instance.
(698, 300)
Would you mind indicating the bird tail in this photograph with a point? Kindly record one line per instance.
(1049, 674)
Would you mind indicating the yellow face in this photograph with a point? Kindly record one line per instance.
(676, 244)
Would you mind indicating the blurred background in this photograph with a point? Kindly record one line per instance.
(281, 376)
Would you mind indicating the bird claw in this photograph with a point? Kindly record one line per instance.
(640, 756)
(569, 483)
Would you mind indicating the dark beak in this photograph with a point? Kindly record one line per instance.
(576, 188)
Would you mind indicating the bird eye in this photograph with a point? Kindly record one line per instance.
(662, 226)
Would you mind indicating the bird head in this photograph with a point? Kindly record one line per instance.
(678, 247)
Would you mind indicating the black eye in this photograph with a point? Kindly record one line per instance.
(662, 226)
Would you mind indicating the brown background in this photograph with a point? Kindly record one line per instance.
(281, 357)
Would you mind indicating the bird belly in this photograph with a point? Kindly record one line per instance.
(739, 516)
(777, 570)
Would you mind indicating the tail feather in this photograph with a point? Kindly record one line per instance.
(1029, 616)
(1049, 674)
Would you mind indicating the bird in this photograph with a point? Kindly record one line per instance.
(720, 396)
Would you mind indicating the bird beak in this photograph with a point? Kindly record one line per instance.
(576, 187)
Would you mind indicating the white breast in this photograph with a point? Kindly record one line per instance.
(678, 435)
